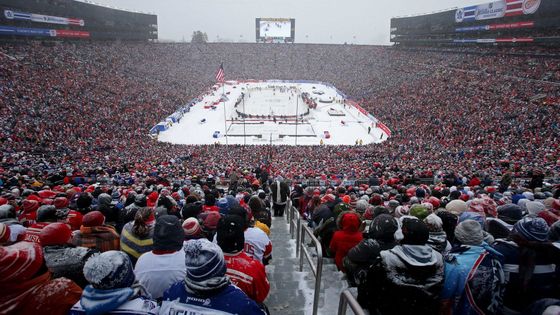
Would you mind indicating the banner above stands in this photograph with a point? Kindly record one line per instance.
(24, 31)
(40, 18)
(497, 9)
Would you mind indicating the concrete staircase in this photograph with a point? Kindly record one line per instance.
(291, 291)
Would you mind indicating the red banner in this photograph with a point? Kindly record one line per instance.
(511, 25)
(385, 129)
(69, 33)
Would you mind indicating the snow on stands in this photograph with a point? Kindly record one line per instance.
(265, 111)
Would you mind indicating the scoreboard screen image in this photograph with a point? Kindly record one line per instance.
(275, 30)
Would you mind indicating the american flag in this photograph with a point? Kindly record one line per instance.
(220, 73)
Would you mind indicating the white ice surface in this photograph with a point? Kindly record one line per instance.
(190, 130)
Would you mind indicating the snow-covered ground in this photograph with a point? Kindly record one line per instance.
(264, 99)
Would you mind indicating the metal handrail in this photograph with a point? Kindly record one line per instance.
(346, 298)
(316, 269)
(295, 226)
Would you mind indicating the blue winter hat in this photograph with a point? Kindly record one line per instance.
(515, 198)
(204, 260)
(223, 205)
(231, 201)
(109, 270)
(532, 228)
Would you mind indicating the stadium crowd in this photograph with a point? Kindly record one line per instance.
(96, 216)
(87, 107)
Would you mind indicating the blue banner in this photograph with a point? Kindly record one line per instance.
(22, 31)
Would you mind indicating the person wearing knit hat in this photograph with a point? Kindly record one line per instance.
(361, 206)
(529, 195)
(408, 278)
(223, 205)
(550, 216)
(62, 258)
(520, 202)
(107, 208)
(245, 272)
(532, 229)
(93, 233)
(437, 239)
(209, 222)
(22, 271)
(420, 211)
(401, 211)
(160, 268)
(469, 232)
(206, 288)
(28, 213)
(456, 207)
(191, 210)
(531, 260)
(474, 280)
(45, 215)
(534, 207)
(192, 230)
(113, 288)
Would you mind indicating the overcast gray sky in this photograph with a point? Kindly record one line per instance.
(317, 21)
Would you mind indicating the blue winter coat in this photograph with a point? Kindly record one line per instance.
(228, 301)
(474, 280)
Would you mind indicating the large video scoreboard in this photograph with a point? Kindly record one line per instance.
(275, 30)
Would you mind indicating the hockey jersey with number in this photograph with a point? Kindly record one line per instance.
(248, 274)
(257, 244)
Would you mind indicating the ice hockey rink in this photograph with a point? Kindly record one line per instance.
(266, 115)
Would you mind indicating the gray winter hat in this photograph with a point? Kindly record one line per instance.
(469, 232)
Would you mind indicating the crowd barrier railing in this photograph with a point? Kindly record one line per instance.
(294, 220)
(346, 298)
(317, 268)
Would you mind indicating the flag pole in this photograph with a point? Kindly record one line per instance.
(224, 105)
(297, 105)
(244, 132)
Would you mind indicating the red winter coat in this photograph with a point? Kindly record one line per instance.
(248, 274)
(345, 239)
(40, 295)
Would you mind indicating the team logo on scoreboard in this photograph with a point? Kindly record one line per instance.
(459, 15)
(9, 14)
(531, 6)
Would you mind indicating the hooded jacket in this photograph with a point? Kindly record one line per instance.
(125, 301)
(347, 237)
(407, 279)
(438, 241)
